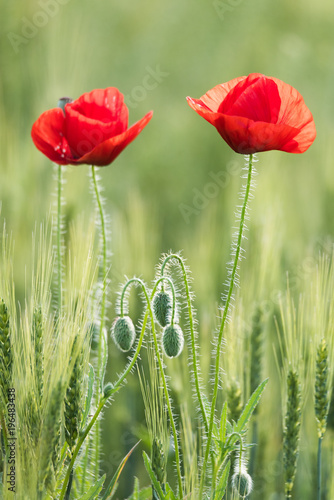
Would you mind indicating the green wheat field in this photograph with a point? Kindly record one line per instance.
(174, 191)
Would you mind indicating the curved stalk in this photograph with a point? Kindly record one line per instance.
(225, 313)
(192, 334)
(164, 383)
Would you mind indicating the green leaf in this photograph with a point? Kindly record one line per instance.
(135, 495)
(222, 484)
(170, 493)
(94, 490)
(250, 407)
(112, 486)
(91, 377)
(144, 494)
(154, 481)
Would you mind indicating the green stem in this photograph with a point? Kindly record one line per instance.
(59, 258)
(103, 306)
(102, 402)
(192, 334)
(160, 280)
(104, 258)
(226, 310)
(84, 469)
(319, 469)
(169, 407)
(78, 446)
(164, 383)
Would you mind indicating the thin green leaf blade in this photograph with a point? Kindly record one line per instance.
(111, 488)
(250, 407)
(223, 481)
(154, 481)
(94, 490)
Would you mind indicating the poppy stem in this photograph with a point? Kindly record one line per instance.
(103, 307)
(195, 366)
(59, 258)
(236, 248)
(158, 357)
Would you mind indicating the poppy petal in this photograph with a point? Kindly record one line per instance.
(258, 113)
(259, 100)
(105, 105)
(213, 98)
(48, 136)
(107, 151)
(94, 118)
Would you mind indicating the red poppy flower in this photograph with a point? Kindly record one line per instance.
(93, 129)
(258, 113)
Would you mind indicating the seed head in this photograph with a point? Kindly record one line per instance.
(123, 332)
(321, 389)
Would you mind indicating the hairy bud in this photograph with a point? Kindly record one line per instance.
(172, 340)
(242, 483)
(108, 390)
(162, 307)
(123, 333)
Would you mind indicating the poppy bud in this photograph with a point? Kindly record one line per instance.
(123, 333)
(242, 483)
(172, 340)
(108, 390)
(62, 101)
(162, 307)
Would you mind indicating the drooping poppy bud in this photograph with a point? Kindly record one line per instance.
(172, 340)
(123, 333)
(162, 307)
(242, 482)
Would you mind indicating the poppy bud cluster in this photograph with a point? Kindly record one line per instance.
(172, 337)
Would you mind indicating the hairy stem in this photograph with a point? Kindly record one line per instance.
(103, 306)
(169, 407)
(192, 334)
(164, 383)
(116, 386)
(224, 318)
(59, 258)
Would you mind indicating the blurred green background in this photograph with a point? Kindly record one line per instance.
(160, 192)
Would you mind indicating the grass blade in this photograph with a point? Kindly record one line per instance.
(111, 489)
(94, 490)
